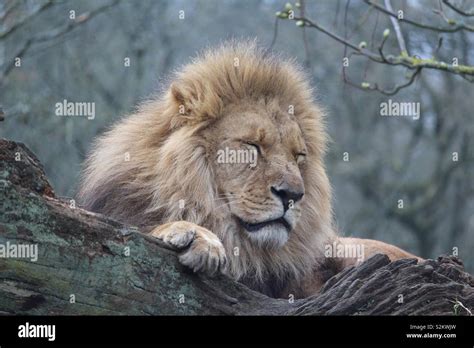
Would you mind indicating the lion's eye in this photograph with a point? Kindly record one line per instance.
(300, 158)
(254, 146)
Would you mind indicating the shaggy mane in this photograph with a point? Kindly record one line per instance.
(150, 163)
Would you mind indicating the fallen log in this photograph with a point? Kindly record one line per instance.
(88, 264)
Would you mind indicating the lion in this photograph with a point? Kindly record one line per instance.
(266, 223)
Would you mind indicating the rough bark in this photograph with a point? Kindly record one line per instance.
(111, 268)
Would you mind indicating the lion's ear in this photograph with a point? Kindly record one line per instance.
(177, 93)
(195, 101)
(183, 97)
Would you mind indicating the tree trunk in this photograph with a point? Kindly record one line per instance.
(90, 264)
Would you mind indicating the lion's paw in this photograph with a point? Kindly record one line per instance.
(205, 252)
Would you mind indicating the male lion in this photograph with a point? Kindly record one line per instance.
(267, 223)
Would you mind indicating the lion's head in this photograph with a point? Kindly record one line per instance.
(235, 144)
(260, 158)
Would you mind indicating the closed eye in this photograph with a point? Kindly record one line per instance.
(300, 158)
(257, 147)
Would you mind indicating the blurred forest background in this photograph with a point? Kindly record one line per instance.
(374, 161)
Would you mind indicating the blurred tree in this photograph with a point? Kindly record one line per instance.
(414, 63)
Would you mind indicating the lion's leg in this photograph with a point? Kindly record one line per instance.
(202, 249)
(371, 247)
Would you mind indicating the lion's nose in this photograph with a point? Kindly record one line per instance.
(287, 195)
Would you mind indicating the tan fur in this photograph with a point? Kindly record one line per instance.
(140, 170)
(372, 247)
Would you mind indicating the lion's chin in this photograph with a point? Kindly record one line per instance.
(273, 236)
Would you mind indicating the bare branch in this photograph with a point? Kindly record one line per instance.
(415, 63)
(305, 39)
(55, 33)
(398, 30)
(275, 34)
(363, 51)
(366, 86)
(469, 13)
(407, 61)
(454, 25)
(24, 20)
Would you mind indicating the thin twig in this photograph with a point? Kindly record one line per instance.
(453, 28)
(469, 13)
(398, 30)
(305, 39)
(54, 34)
(407, 61)
(275, 34)
(24, 20)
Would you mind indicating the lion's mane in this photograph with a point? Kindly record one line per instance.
(150, 163)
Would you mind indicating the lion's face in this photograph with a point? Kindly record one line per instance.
(258, 156)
